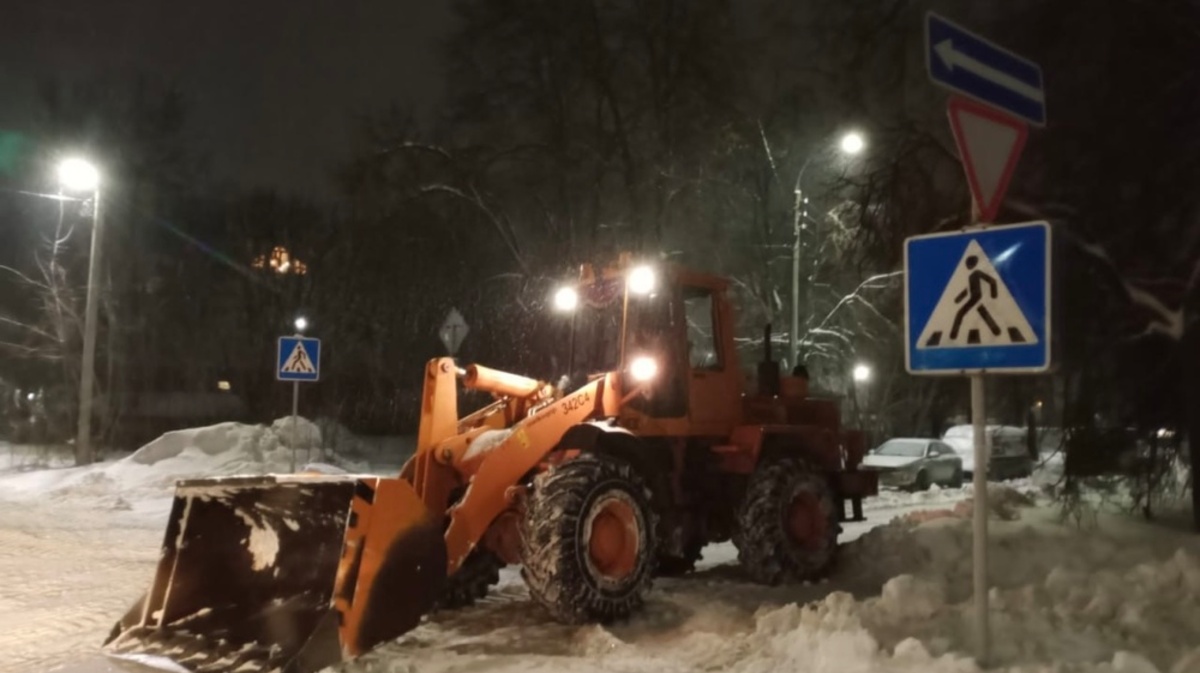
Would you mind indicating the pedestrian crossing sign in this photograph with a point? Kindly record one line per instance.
(298, 359)
(978, 300)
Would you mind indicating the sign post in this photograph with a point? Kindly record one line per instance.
(977, 302)
(298, 360)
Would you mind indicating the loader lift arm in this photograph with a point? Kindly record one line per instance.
(356, 560)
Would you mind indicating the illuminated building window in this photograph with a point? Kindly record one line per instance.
(281, 262)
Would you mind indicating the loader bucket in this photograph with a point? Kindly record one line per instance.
(285, 573)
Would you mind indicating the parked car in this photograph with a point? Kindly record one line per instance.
(915, 463)
(1009, 452)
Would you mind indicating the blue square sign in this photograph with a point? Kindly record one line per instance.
(978, 300)
(299, 359)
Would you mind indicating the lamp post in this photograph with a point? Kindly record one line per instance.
(301, 324)
(78, 175)
(862, 377)
(849, 145)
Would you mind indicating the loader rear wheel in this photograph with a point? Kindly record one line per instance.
(479, 572)
(587, 540)
(787, 525)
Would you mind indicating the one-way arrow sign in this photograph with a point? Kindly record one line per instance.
(967, 63)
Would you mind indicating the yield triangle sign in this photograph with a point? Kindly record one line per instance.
(976, 309)
(990, 142)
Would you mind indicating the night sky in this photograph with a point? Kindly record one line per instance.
(274, 87)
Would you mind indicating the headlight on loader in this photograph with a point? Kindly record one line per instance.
(643, 368)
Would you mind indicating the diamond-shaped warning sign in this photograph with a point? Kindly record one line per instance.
(453, 330)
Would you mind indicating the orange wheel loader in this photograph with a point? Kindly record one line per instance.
(649, 449)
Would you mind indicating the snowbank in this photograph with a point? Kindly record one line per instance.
(149, 474)
(1122, 599)
(1058, 594)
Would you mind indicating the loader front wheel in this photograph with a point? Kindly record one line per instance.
(479, 573)
(587, 540)
(787, 525)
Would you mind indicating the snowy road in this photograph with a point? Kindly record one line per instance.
(68, 574)
(71, 571)
(78, 545)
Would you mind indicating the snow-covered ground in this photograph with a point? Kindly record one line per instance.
(77, 545)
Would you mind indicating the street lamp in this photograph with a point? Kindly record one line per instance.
(862, 375)
(78, 175)
(301, 324)
(850, 144)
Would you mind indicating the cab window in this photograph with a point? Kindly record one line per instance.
(701, 333)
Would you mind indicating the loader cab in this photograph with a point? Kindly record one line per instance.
(682, 321)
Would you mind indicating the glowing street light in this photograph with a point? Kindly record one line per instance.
(862, 373)
(78, 175)
(301, 324)
(852, 143)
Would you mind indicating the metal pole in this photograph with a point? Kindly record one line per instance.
(794, 332)
(295, 413)
(571, 346)
(83, 441)
(979, 430)
(801, 212)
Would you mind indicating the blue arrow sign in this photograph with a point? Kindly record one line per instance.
(298, 359)
(978, 300)
(969, 64)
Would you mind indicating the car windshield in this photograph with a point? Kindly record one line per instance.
(907, 448)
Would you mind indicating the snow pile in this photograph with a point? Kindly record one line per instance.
(150, 473)
(298, 433)
(1059, 594)
(1122, 599)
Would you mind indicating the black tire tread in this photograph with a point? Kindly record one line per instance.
(552, 570)
(765, 551)
(477, 575)
(922, 482)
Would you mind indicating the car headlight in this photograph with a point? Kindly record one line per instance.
(643, 368)
(566, 299)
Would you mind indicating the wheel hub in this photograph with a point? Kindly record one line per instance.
(806, 523)
(612, 538)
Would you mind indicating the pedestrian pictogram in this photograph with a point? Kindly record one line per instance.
(978, 300)
(298, 362)
(298, 359)
(976, 308)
